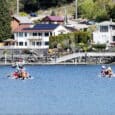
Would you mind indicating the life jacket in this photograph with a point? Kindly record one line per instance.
(16, 74)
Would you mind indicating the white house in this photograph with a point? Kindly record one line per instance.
(37, 37)
(105, 33)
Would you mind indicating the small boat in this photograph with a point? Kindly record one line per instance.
(22, 76)
(109, 75)
(20, 73)
(106, 72)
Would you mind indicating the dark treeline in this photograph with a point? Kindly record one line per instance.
(34, 5)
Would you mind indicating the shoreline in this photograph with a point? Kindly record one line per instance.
(34, 64)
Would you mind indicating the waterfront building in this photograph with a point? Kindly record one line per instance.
(105, 33)
(37, 36)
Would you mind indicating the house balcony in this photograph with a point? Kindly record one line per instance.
(35, 38)
(23, 47)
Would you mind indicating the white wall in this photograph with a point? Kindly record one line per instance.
(60, 29)
(102, 37)
(99, 37)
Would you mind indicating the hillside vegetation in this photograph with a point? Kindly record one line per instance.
(92, 9)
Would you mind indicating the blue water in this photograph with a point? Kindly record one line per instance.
(58, 89)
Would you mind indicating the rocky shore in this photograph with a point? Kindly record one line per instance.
(48, 61)
(41, 58)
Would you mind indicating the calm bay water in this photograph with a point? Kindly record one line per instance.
(58, 89)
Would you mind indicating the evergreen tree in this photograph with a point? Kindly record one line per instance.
(112, 13)
(5, 21)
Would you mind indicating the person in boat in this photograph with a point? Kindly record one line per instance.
(103, 70)
(17, 68)
(16, 74)
(106, 71)
(20, 72)
(109, 71)
(23, 74)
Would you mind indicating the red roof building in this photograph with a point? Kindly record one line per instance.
(53, 19)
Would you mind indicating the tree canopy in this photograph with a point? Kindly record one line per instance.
(5, 21)
(97, 9)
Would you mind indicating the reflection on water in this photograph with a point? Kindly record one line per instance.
(58, 89)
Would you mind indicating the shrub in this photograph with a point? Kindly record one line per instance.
(99, 46)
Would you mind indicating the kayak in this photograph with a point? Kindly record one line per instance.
(106, 75)
(16, 75)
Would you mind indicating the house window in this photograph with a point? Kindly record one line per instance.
(25, 34)
(16, 34)
(20, 34)
(46, 43)
(46, 34)
(103, 28)
(20, 43)
(113, 27)
(34, 34)
(39, 34)
(50, 33)
(25, 43)
(38, 43)
(33, 43)
(16, 43)
(61, 32)
(114, 38)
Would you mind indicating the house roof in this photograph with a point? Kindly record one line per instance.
(107, 23)
(37, 27)
(23, 19)
(20, 28)
(43, 27)
(71, 29)
(53, 18)
(9, 40)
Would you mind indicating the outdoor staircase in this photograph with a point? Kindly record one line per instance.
(82, 54)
